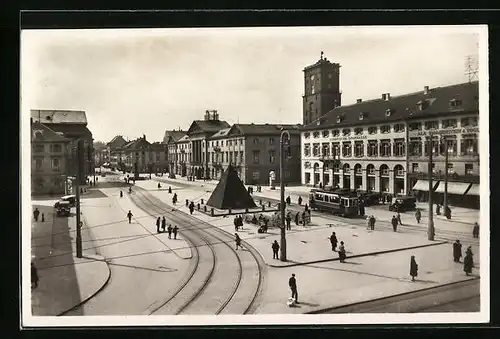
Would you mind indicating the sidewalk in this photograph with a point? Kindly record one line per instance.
(65, 281)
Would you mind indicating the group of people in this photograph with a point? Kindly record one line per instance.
(468, 259)
(36, 214)
(163, 223)
(341, 251)
(238, 222)
(447, 211)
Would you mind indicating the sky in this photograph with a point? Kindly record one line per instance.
(132, 82)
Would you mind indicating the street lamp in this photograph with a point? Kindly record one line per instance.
(282, 190)
(430, 226)
(444, 145)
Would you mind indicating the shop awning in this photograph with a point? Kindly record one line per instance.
(422, 185)
(474, 190)
(453, 187)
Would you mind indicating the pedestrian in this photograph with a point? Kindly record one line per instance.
(175, 230)
(159, 186)
(169, 190)
(468, 250)
(361, 209)
(36, 213)
(438, 209)
(300, 200)
(457, 251)
(34, 275)
(129, 216)
(43, 217)
(447, 212)
(121, 194)
(236, 222)
(372, 223)
(275, 248)
(369, 222)
(238, 241)
(475, 230)
(398, 217)
(304, 218)
(394, 223)
(413, 268)
(342, 255)
(418, 215)
(468, 261)
(297, 218)
(333, 241)
(163, 224)
(288, 201)
(292, 282)
(158, 223)
(174, 198)
(191, 207)
(169, 230)
(306, 207)
(288, 219)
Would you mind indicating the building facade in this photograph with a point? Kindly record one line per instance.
(49, 154)
(112, 150)
(149, 157)
(170, 140)
(382, 145)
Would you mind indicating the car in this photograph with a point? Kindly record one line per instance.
(403, 203)
(369, 198)
(63, 209)
(71, 199)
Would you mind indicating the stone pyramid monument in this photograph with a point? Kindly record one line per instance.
(230, 192)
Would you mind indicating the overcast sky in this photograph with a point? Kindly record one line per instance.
(132, 82)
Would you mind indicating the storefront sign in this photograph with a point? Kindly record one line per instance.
(446, 131)
(354, 137)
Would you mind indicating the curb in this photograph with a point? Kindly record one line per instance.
(92, 295)
(324, 310)
(359, 255)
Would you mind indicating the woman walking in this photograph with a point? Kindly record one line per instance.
(413, 268)
(342, 252)
(468, 261)
(238, 241)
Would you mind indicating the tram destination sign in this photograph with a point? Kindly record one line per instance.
(447, 131)
(346, 138)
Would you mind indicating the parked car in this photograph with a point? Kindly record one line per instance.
(403, 203)
(63, 209)
(71, 199)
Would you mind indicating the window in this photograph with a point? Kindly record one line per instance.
(55, 164)
(307, 135)
(325, 149)
(256, 175)
(346, 149)
(450, 123)
(468, 145)
(326, 134)
(307, 165)
(358, 149)
(39, 148)
(271, 141)
(272, 157)
(385, 129)
(230, 160)
(451, 145)
(398, 128)
(312, 89)
(227, 157)
(415, 147)
(399, 147)
(241, 141)
(370, 169)
(431, 125)
(372, 130)
(229, 143)
(241, 157)
(255, 141)
(339, 119)
(256, 156)
(388, 112)
(361, 116)
(39, 164)
(221, 143)
(335, 133)
(315, 150)
(450, 168)
(468, 122)
(346, 131)
(469, 169)
(455, 103)
(414, 168)
(56, 148)
(372, 149)
(416, 126)
(384, 171)
(336, 149)
(435, 146)
(307, 150)
(358, 131)
(385, 148)
(315, 134)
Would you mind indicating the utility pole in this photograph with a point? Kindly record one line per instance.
(445, 200)
(79, 154)
(430, 227)
(282, 192)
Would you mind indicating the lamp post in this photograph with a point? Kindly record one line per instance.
(79, 162)
(430, 226)
(282, 192)
(446, 150)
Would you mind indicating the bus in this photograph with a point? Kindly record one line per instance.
(338, 202)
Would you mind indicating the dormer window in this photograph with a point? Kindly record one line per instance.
(409, 111)
(307, 135)
(388, 112)
(422, 104)
(454, 103)
(339, 119)
(362, 116)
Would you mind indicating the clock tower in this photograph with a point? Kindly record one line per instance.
(321, 89)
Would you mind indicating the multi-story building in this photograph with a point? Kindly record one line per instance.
(49, 153)
(72, 125)
(254, 150)
(170, 140)
(149, 157)
(182, 156)
(113, 150)
(382, 145)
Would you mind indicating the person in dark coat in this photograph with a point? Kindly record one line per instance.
(169, 190)
(288, 219)
(191, 207)
(163, 224)
(304, 218)
(169, 230)
(174, 198)
(342, 254)
(43, 217)
(413, 268)
(288, 201)
(297, 218)
(34, 276)
(292, 282)
(36, 213)
(238, 241)
(361, 209)
(121, 194)
(275, 248)
(159, 186)
(398, 217)
(129, 216)
(158, 223)
(457, 251)
(475, 230)
(438, 209)
(300, 200)
(468, 261)
(447, 212)
(306, 207)
(394, 223)
(236, 224)
(372, 223)
(333, 241)
(418, 215)
(175, 230)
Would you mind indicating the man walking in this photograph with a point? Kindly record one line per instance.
(398, 217)
(169, 230)
(36, 213)
(288, 219)
(475, 230)
(297, 218)
(163, 224)
(238, 241)
(300, 200)
(129, 216)
(158, 223)
(288, 200)
(293, 287)
(372, 223)
(175, 229)
(394, 223)
(418, 215)
(333, 241)
(275, 248)
(34, 276)
(457, 251)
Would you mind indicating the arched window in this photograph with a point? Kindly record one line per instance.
(384, 170)
(358, 169)
(370, 169)
(347, 168)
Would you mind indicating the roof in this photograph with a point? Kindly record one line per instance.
(71, 130)
(207, 126)
(136, 144)
(46, 116)
(117, 141)
(403, 107)
(175, 135)
(221, 134)
(184, 139)
(265, 129)
(322, 62)
(42, 133)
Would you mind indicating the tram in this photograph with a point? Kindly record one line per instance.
(338, 202)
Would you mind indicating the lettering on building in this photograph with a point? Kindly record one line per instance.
(448, 131)
(354, 137)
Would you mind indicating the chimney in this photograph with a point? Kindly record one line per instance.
(386, 96)
(207, 115)
(426, 90)
(359, 101)
(144, 136)
(383, 96)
